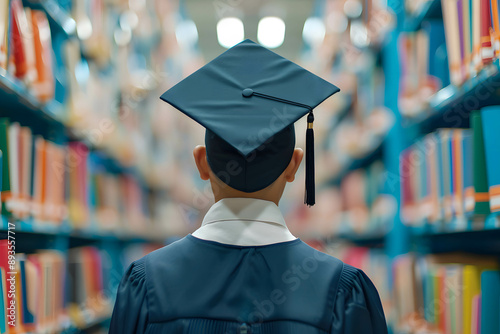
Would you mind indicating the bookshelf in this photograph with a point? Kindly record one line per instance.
(429, 10)
(94, 248)
(59, 18)
(409, 246)
(450, 101)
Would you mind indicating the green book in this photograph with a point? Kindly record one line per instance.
(479, 166)
(4, 147)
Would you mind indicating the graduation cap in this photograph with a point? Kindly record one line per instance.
(248, 99)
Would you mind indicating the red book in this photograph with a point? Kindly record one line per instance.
(18, 21)
(486, 47)
(10, 277)
(43, 87)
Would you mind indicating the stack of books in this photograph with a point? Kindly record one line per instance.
(50, 183)
(447, 293)
(451, 175)
(26, 48)
(472, 36)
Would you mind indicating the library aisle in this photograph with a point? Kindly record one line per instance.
(96, 171)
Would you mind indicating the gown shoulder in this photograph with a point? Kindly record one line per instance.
(357, 306)
(130, 313)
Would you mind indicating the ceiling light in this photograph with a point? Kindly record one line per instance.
(271, 32)
(186, 33)
(230, 31)
(314, 31)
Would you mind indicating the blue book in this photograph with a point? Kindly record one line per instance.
(440, 175)
(468, 172)
(490, 302)
(28, 317)
(451, 176)
(438, 66)
(491, 122)
(445, 136)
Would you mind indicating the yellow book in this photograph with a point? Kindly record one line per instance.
(472, 288)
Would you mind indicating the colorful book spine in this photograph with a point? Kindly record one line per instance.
(4, 147)
(445, 179)
(466, 33)
(490, 302)
(433, 176)
(460, 16)
(446, 293)
(3, 303)
(22, 43)
(43, 86)
(468, 173)
(480, 176)
(491, 135)
(471, 290)
(452, 30)
(4, 32)
(495, 31)
(487, 52)
(457, 168)
(476, 36)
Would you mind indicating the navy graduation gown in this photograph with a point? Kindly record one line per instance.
(198, 286)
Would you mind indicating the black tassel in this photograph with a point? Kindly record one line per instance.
(310, 196)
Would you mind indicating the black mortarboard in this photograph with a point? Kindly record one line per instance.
(248, 99)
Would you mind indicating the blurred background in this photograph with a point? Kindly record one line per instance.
(96, 171)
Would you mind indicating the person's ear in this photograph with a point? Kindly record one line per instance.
(294, 164)
(200, 158)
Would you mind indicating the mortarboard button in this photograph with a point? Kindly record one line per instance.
(247, 92)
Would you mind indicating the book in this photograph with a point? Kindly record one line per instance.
(4, 33)
(25, 175)
(43, 87)
(495, 31)
(3, 303)
(13, 141)
(457, 168)
(444, 292)
(452, 30)
(39, 182)
(4, 147)
(22, 61)
(468, 173)
(490, 302)
(490, 119)
(472, 288)
(487, 52)
(480, 177)
(447, 172)
(476, 36)
(7, 265)
(27, 313)
(454, 297)
(86, 283)
(467, 38)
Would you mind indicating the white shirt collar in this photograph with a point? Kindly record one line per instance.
(244, 222)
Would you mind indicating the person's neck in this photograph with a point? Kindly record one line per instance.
(244, 195)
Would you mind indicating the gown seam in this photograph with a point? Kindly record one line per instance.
(335, 294)
(146, 288)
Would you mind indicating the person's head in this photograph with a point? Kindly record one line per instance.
(245, 98)
(262, 174)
